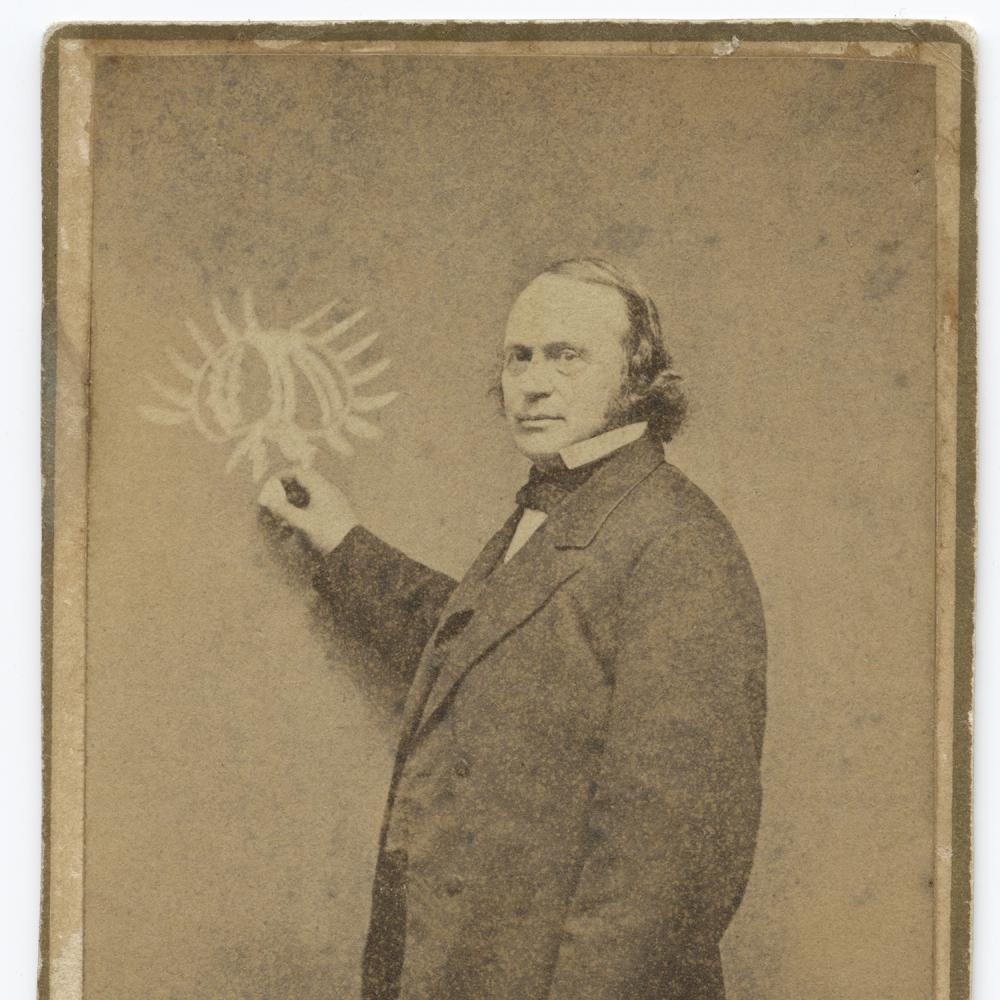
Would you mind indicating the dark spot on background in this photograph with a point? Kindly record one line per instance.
(626, 237)
(882, 281)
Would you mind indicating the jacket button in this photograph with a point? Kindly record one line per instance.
(463, 768)
(453, 886)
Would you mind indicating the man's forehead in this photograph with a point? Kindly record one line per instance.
(556, 307)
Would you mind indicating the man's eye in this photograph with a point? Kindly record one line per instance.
(567, 358)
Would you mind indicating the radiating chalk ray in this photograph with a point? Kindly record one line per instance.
(304, 373)
(358, 347)
(365, 404)
(340, 328)
(313, 318)
(203, 343)
(372, 371)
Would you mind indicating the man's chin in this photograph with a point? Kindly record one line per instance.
(541, 443)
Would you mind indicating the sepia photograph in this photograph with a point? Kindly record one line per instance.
(508, 510)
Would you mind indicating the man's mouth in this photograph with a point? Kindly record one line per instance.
(537, 421)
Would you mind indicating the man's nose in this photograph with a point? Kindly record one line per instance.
(536, 380)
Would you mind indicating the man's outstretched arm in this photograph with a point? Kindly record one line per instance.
(369, 589)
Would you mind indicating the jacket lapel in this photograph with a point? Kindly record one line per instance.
(462, 599)
(514, 592)
(500, 601)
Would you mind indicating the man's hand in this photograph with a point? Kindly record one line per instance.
(312, 504)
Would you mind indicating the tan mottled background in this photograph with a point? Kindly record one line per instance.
(781, 212)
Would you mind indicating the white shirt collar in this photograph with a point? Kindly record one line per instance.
(590, 450)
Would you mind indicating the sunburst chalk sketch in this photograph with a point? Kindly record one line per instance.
(305, 356)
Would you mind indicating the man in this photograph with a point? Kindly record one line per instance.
(576, 794)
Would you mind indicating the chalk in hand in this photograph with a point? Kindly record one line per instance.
(296, 494)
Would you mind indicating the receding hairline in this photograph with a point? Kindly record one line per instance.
(547, 278)
(600, 273)
(595, 271)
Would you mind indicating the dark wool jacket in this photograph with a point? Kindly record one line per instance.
(576, 794)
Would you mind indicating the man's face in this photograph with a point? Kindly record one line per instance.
(563, 363)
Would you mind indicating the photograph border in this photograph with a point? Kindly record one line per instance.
(66, 175)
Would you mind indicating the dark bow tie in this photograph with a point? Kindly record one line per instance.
(546, 489)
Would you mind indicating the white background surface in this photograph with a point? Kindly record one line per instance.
(20, 493)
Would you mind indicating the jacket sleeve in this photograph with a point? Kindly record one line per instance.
(676, 804)
(381, 597)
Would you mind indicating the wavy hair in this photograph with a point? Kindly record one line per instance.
(650, 390)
